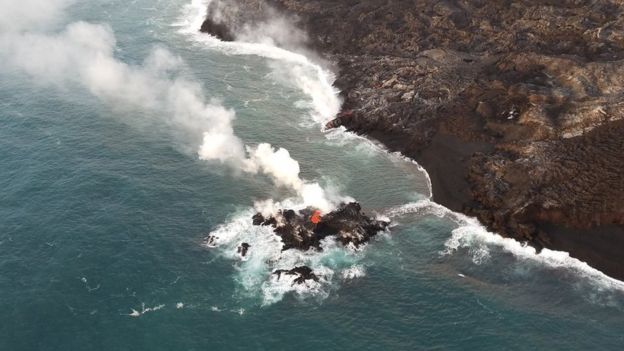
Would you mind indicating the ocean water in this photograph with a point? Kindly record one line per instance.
(105, 209)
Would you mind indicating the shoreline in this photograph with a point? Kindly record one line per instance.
(504, 134)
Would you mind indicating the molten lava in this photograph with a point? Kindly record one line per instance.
(316, 217)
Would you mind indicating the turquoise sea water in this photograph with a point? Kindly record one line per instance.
(103, 213)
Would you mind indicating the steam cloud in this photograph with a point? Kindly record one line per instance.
(83, 54)
(264, 31)
(30, 14)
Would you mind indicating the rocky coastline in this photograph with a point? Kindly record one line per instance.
(515, 108)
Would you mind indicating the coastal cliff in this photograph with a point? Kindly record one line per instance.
(515, 108)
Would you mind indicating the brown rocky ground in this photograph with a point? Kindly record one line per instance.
(515, 108)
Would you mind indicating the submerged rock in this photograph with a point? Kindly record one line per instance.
(242, 249)
(298, 231)
(211, 241)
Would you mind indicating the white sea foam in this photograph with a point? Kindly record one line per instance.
(265, 255)
(422, 207)
(356, 271)
(144, 310)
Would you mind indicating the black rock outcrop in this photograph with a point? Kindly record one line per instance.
(303, 273)
(347, 224)
(305, 229)
(242, 249)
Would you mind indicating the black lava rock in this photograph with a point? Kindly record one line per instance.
(347, 223)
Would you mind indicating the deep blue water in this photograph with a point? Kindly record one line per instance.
(101, 213)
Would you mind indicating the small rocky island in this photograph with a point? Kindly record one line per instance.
(515, 108)
(305, 230)
(299, 229)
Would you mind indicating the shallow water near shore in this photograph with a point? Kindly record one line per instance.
(103, 215)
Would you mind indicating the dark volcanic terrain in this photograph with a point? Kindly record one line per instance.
(347, 224)
(515, 108)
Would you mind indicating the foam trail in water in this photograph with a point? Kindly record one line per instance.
(144, 310)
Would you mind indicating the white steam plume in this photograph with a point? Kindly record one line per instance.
(83, 54)
(18, 15)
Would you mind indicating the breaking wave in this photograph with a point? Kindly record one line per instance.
(472, 237)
